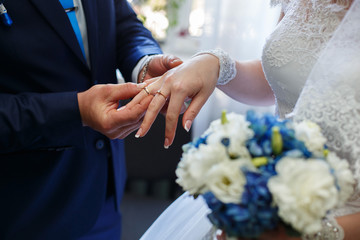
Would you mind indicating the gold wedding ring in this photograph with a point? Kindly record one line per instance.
(146, 90)
(159, 92)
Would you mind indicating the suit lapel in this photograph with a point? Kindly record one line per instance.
(90, 10)
(57, 18)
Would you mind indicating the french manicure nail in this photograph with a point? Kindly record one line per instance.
(166, 143)
(176, 60)
(188, 125)
(139, 132)
(119, 109)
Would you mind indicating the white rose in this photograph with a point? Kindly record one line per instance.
(226, 180)
(343, 175)
(304, 190)
(310, 133)
(236, 130)
(193, 168)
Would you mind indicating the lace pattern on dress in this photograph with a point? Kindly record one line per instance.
(295, 45)
(331, 97)
(306, 26)
(274, 3)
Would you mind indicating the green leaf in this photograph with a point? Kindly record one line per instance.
(276, 140)
(224, 120)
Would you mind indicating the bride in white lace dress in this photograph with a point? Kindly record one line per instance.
(317, 45)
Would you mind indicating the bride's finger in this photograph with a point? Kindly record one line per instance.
(151, 80)
(172, 116)
(137, 99)
(153, 110)
(150, 89)
(192, 111)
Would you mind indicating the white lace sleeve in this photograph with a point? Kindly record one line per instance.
(227, 70)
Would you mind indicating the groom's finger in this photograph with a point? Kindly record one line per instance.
(162, 63)
(130, 114)
(148, 89)
(126, 131)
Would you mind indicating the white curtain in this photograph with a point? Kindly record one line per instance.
(240, 27)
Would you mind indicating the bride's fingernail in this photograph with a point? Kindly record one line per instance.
(176, 60)
(139, 132)
(166, 143)
(188, 125)
(119, 109)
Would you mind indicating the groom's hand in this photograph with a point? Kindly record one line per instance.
(99, 109)
(160, 64)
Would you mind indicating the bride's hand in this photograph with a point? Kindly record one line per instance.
(193, 80)
(149, 89)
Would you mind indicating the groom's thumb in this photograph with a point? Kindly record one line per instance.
(163, 63)
(127, 90)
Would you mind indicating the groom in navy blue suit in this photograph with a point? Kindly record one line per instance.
(61, 175)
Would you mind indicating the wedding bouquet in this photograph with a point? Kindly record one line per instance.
(256, 172)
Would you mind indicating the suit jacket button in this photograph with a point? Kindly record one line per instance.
(99, 144)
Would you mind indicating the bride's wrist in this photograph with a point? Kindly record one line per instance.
(227, 69)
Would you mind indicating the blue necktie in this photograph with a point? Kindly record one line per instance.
(69, 8)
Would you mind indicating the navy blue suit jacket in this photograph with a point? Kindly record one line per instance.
(53, 171)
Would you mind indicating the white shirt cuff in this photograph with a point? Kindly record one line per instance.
(138, 67)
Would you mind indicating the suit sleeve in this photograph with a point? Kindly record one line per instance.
(32, 121)
(133, 40)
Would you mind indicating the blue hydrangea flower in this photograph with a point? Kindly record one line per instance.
(200, 140)
(195, 143)
(260, 144)
(271, 139)
(253, 216)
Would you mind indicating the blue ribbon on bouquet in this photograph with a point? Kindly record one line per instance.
(5, 18)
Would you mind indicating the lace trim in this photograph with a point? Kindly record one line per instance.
(227, 70)
(331, 230)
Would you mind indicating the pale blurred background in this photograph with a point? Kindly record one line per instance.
(184, 27)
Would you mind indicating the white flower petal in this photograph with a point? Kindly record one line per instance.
(226, 180)
(196, 163)
(310, 133)
(304, 190)
(344, 176)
